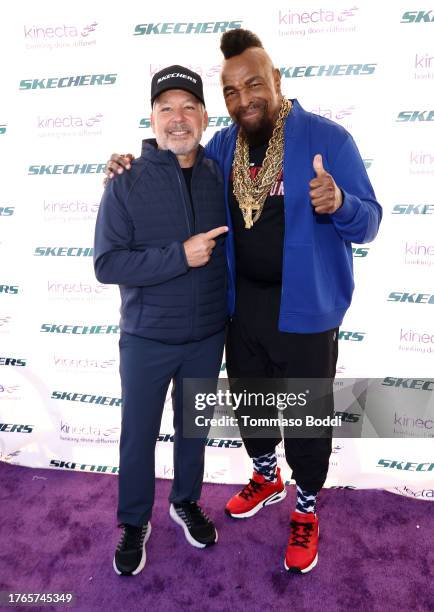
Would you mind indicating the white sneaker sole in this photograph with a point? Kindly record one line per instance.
(142, 560)
(272, 499)
(187, 534)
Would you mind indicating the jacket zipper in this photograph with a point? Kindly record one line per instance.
(192, 275)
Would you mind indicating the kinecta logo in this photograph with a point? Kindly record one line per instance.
(84, 364)
(7, 211)
(339, 115)
(13, 428)
(75, 289)
(10, 289)
(68, 121)
(411, 298)
(53, 328)
(214, 442)
(67, 169)
(8, 390)
(68, 81)
(210, 74)
(413, 209)
(222, 121)
(404, 421)
(418, 17)
(418, 253)
(58, 31)
(291, 72)
(405, 465)
(360, 251)
(288, 17)
(63, 252)
(86, 398)
(88, 430)
(423, 493)
(416, 341)
(415, 115)
(12, 361)
(352, 336)
(409, 383)
(83, 467)
(424, 61)
(73, 210)
(421, 162)
(207, 27)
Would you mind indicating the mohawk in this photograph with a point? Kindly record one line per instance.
(234, 42)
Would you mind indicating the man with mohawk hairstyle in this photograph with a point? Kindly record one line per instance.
(297, 195)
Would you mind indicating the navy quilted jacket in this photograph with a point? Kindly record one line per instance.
(143, 219)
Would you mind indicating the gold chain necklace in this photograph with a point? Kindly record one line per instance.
(252, 193)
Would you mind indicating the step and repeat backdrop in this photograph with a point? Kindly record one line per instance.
(75, 88)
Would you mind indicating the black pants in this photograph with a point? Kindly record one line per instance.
(255, 348)
(146, 369)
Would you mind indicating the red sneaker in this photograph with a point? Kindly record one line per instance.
(258, 493)
(302, 551)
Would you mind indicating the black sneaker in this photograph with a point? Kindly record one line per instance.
(130, 555)
(198, 529)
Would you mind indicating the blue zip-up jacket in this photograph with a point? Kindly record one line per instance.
(317, 279)
(143, 219)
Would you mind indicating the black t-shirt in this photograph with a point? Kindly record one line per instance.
(259, 250)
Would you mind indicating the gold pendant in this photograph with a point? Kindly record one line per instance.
(248, 206)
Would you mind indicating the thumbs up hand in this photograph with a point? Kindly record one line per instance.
(325, 195)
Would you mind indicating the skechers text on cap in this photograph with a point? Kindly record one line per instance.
(176, 77)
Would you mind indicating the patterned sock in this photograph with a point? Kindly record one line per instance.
(306, 501)
(266, 465)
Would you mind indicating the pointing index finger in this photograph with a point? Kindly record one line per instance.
(217, 231)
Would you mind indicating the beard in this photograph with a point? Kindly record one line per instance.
(260, 131)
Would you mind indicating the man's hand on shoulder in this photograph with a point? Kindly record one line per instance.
(116, 165)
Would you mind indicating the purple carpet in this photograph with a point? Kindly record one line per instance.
(58, 533)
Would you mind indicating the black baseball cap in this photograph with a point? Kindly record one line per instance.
(177, 77)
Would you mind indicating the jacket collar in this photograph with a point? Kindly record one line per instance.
(151, 152)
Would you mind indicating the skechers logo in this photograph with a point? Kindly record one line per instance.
(53, 328)
(63, 252)
(418, 17)
(409, 383)
(425, 115)
(14, 428)
(7, 211)
(406, 465)
(11, 289)
(328, 70)
(86, 398)
(411, 298)
(214, 442)
(352, 336)
(68, 81)
(360, 251)
(415, 209)
(83, 467)
(67, 169)
(208, 27)
(12, 361)
(222, 121)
